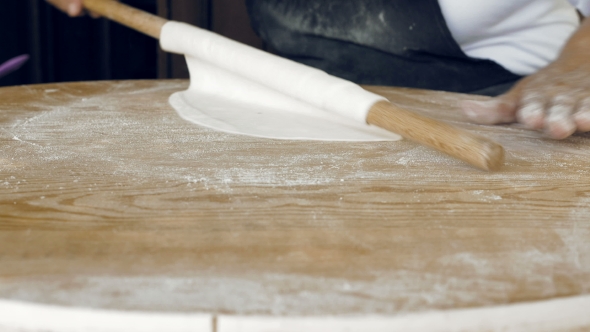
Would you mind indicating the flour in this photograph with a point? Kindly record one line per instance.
(99, 134)
(254, 294)
(566, 314)
(98, 155)
(121, 143)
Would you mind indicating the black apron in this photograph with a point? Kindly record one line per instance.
(379, 42)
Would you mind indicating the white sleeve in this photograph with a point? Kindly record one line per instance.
(582, 5)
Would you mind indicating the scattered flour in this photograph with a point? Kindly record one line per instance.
(127, 145)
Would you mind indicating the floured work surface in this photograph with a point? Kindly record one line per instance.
(108, 199)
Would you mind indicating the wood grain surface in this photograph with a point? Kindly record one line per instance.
(109, 200)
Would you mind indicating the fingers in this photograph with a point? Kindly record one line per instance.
(75, 8)
(71, 7)
(559, 121)
(558, 115)
(531, 110)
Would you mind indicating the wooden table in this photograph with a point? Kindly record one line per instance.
(109, 200)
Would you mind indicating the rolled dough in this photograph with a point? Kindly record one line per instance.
(238, 89)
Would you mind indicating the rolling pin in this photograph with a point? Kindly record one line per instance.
(473, 149)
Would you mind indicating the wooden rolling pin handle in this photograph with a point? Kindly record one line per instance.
(478, 151)
(136, 19)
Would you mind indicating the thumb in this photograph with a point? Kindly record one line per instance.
(71, 7)
(501, 109)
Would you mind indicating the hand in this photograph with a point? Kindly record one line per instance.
(72, 7)
(555, 100)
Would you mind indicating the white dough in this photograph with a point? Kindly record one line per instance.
(239, 89)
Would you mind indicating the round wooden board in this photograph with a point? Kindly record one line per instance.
(109, 200)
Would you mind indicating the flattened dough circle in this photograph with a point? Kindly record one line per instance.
(240, 90)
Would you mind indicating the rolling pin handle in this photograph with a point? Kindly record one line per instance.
(476, 150)
(136, 19)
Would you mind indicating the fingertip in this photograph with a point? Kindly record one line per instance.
(560, 132)
(532, 116)
(582, 120)
(532, 110)
(74, 9)
(560, 128)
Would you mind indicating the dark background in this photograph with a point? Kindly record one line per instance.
(65, 49)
